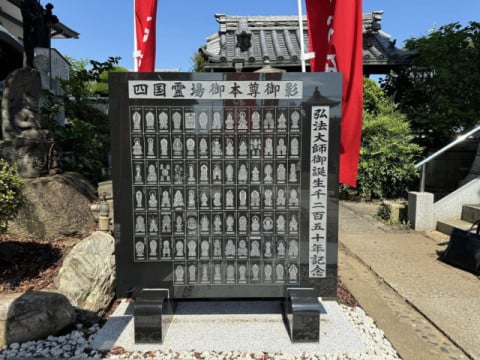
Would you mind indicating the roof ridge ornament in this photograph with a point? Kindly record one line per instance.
(243, 35)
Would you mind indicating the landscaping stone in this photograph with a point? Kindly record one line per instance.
(87, 276)
(33, 315)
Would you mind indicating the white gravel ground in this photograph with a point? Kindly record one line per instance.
(80, 344)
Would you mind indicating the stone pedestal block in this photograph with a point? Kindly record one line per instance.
(420, 211)
(302, 315)
(152, 316)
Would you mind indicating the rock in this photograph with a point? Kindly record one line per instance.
(33, 315)
(87, 276)
(55, 207)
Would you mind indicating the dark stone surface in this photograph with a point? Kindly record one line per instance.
(152, 316)
(139, 266)
(302, 315)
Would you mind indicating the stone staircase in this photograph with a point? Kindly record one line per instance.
(470, 214)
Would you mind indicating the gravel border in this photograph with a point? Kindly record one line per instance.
(78, 344)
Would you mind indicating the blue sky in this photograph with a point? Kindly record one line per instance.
(106, 26)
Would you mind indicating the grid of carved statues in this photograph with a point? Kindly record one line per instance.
(217, 192)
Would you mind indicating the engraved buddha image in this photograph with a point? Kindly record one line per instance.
(203, 146)
(293, 198)
(281, 147)
(166, 249)
(166, 223)
(179, 274)
(152, 200)
(242, 198)
(179, 249)
(282, 122)
(177, 121)
(292, 273)
(204, 273)
(152, 173)
(280, 272)
(294, 118)
(178, 199)
(179, 224)
(140, 249)
(242, 270)
(192, 273)
(204, 173)
(139, 198)
(192, 248)
(150, 121)
(203, 120)
(217, 275)
(138, 173)
(150, 146)
(268, 272)
(255, 272)
(190, 147)
(268, 123)
(294, 147)
(217, 172)
(242, 248)
(163, 121)
(229, 173)
(164, 147)
(191, 199)
(165, 199)
(153, 226)
(137, 148)
(204, 224)
(204, 249)
(216, 124)
(229, 198)
(242, 121)
(281, 200)
(140, 224)
(229, 124)
(255, 198)
(255, 250)
(268, 151)
(293, 224)
(230, 248)
(136, 120)
(255, 120)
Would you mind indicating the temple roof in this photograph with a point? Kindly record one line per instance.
(11, 36)
(276, 40)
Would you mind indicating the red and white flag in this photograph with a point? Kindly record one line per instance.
(145, 21)
(335, 29)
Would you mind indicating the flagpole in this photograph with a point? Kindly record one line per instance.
(302, 44)
(135, 65)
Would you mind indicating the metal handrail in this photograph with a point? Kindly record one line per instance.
(439, 152)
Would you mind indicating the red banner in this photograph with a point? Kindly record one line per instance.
(145, 21)
(335, 34)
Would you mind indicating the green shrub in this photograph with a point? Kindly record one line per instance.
(10, 194)
(388, 153)
(384, 211)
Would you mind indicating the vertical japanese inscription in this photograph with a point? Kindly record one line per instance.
(318, 192)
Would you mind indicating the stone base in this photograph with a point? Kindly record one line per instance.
(420, 211)
(152, 315)
(302, 315)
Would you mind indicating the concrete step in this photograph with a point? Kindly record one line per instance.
(447, 226)
(471, 213)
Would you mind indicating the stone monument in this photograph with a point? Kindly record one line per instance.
(256, 212)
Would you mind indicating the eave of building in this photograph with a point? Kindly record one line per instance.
(276, 40)
(11, 36)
